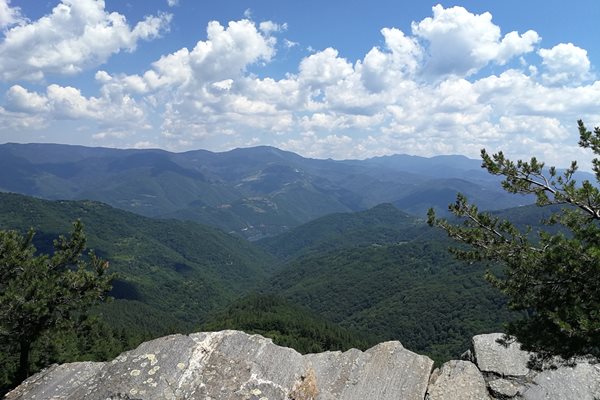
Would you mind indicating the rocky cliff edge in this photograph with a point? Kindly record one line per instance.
(234, 365)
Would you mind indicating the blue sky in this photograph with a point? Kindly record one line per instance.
(349, 79)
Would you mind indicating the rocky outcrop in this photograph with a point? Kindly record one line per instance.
(505, 369)
(504, 360)
(457, 380)
(234, 365)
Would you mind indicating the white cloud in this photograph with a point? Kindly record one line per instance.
(78, 34)
(324, 68)
(21, 100)
(13, 121)
(408, 95)
(313, 145)
(173, 3)
(461, 43)
(145, 144)
(67, 103)
(270, 27)
(289, 44)
(200, 88)
(565, 63)
(382, 69)
(224, 55)
(228, 51)
(9, 15)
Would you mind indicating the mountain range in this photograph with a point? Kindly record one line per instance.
(252, 192)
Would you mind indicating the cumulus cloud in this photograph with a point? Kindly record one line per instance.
(324, 68)
(565, 63)
(461, 43)
(173, 3)
(9, 15)
(78, 34)
(402, 57)
(199, 87)
(67, 103)
(417, 93)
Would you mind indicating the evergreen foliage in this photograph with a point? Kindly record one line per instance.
(287, 324)
(554, 278)
(42, 293)
(413, 292)
(382, 224)
(168, 270)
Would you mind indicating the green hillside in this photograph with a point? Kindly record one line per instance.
(382, 224)
(165, 267)
(324, 283)
(389, 274)
(287, 324)
(415, 293)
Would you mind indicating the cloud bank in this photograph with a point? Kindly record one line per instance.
(453, 84)
(78, 34)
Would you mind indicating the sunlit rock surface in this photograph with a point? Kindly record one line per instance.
(234, 365)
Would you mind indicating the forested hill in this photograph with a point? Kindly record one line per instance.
(382, 224)
(384, 272)
(172, 272)
(288, 324)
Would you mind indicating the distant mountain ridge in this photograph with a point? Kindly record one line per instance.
(253, 192)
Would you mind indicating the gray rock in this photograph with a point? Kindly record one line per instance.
(496, 358)
(386, 371)
(504, 389)
(467, 356)
(581, 382)
(55, 380)
(457, 380)
(233, 365)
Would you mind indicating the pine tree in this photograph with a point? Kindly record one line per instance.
(40, 292)
(553, 278)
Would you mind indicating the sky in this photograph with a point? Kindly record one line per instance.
(325, 79)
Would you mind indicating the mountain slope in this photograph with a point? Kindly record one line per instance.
(413, 293)
(379, 225)
(179, 268)
(287, 324)
(387, 273)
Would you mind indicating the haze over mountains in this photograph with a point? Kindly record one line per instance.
(253, 192)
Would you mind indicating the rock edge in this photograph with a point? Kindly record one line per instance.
(235, 365)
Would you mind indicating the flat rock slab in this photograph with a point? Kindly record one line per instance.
(55, 380)
(496, 358)
(458, 380)
(581, 382)
(234, 365)
(503, 388)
